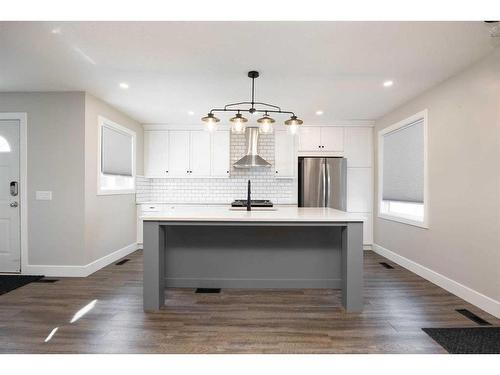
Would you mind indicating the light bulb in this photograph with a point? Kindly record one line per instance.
(293, 128)
(211, 126)
(266, 128)
(238, 127)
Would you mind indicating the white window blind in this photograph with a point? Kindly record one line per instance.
(403, 164)
(116, 152)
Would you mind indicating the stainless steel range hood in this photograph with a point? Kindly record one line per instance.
(251, 159)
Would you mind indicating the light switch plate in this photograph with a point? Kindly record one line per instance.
(43, 195)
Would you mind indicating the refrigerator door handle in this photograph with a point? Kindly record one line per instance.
(327, 184)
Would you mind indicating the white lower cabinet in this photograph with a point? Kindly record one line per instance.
(360, 198)
(284, 155)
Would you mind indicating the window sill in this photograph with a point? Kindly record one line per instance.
(115, 192)
(404, 220)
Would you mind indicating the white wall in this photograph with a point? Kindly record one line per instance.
(463, 239)
(76, 227)
(55, 162)
(110, 220)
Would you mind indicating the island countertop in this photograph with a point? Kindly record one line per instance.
(277, 214)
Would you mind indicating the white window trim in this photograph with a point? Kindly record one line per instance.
(402, 218)
(103, 121)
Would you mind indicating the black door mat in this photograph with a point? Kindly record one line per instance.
(46, 281)
(473, 317)
(11, 282)
(208, 290)
(387, 265)
(474, 340)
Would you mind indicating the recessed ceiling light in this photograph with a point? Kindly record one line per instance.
(388, 83)
(56, 30)
(124, 85)
(190, 113)
(319, 112)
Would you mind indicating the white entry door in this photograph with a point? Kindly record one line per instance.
(10, 230)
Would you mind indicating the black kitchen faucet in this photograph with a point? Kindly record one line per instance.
(249, 201)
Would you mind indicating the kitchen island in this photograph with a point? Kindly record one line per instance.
(285, 247)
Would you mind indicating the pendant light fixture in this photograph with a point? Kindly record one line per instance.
(211, 122)
(266, 124)
(238, 122)
(293, 124)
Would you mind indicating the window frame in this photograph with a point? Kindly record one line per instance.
(105, 122)
(405, 219)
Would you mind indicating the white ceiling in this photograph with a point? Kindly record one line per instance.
(176, 67)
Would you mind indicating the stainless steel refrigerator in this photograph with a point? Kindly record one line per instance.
(323, 182)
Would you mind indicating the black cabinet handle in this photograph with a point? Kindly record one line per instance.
(276, 171)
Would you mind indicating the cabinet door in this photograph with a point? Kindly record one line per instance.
(284, 154)
(155, 153)
(359, 190)
(199, 161)
(178, 153)
(332, 138)
(309, 138)
(220, 154)
(358, 146)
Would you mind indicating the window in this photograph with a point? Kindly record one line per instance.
(402, 156)
(4, 145)
(116, 158)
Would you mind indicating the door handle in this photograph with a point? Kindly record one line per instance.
(14, 204)
(14, 190)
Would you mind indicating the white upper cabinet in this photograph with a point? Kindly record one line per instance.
(199, 160)
(309, 138)
(284, 154)
(156, 153)
(220, 154)
(321, 139)
(178, 153)
(332, 138)
(186, 153)
(358, 146)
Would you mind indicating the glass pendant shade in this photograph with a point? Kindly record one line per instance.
(293, 124)
(210, 122)
(292, 129)
(294, 121)
(238, 123)
(266, 124)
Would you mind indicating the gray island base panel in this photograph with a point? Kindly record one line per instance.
(253, 254)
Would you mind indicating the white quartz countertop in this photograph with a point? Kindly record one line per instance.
(277, 214)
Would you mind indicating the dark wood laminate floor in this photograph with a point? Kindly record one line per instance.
(397, 305)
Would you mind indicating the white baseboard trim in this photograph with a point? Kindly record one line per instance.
(367, 247)
(79, 271)
(472, 296)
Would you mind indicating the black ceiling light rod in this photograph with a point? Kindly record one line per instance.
(270, 107)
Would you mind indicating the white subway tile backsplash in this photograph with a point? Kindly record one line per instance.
(222, 190)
